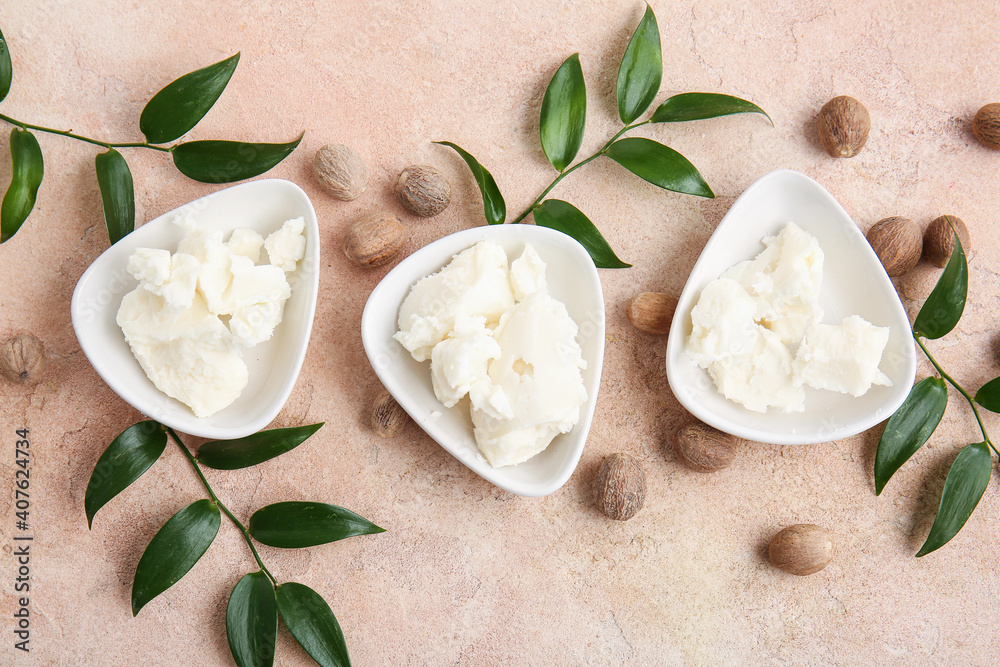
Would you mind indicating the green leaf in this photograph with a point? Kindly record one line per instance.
(698, 106)
(568, 219)
(26, 177)
(181, 104)
(292, 525)
(494, 206)
(126, 458)
(252, 621)
(966, 482)
(988, 395)
(564, 113)
(641, 69)
(174, 550)
(117, 194)
(943, 308)
(6, 70)
(311, 621)
(909, 428)
(253, 449)
(660, 165)
(228, 161)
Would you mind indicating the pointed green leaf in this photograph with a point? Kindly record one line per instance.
(909, 428)
(943, 308)
(698, 106)
(660, 165)
(494, 206)
(228, 161)
(181, 104)
(564, 113)
(126, 458)
(568, 219)
(988, 395)
(252, 621)
(641, 69)
(26, 177)
(6, 70)
(311, 621)
(117, 194)
(253, 449)
(174, 550)
(292, 525)
(966, 482)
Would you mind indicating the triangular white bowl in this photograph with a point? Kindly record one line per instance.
(571, 278)
(854, 282)
(273, 365)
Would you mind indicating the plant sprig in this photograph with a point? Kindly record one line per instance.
(561, 129)
(258, 599)
(916, 419)
(168, 115)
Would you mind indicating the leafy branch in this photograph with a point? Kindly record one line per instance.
(561, 129)
(919, 415)
(168, 115)
(257, 599)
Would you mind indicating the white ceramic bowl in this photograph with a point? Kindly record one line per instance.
(854, 282)
(273, 365)
(571, 278)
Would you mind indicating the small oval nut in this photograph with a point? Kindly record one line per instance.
(341, 172)
(897, 242)
(388, 418)
(620, 487)
(22, 359)
(986, 126)
(651, 312)
(375, 239)
(704, 448)
(423, 190)
(939, 240)
(843, 125)
(801, 549)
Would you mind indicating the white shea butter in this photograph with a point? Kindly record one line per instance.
(757, 331)
(494, 334)
(196, 310)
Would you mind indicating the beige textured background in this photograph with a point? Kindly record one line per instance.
(467, 574)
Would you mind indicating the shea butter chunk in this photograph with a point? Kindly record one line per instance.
(842, 357)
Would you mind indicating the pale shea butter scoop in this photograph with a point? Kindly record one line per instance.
(757, 331)
(196, 310)
(494, 333)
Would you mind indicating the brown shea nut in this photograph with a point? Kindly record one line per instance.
(986, 126)
(939, 241)
(374, 239)
(423, 190)
(843, 125)
(802, 549)
(704, 448)
(388, 418)
(620, 487)
(898, 243)
(651, 312)
(340, 171)
(22, 359)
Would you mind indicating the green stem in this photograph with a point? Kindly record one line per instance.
(225, 510)
(947, 378)
(62, 133)
(569, 170)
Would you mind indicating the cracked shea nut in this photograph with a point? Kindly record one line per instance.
(939, 241)
(388, 418)
(651, 312)
(898, 243)
(986, 126)
(843, 125)
(704, 448)
(620, 487)
(374, 239)
(22, 359)
(340, 171)
(423, 190)
(802, 549)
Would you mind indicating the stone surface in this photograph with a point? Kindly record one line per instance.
(467, 574)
